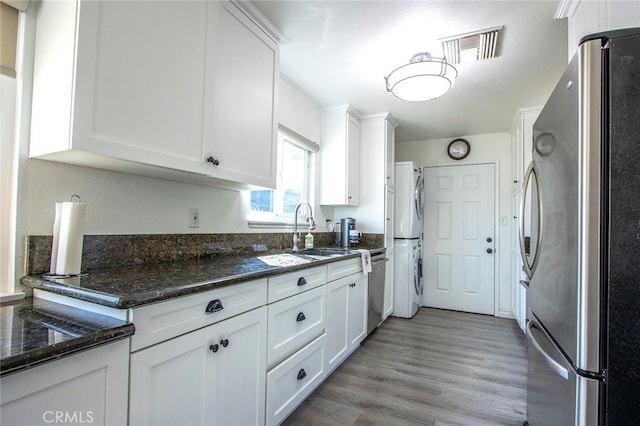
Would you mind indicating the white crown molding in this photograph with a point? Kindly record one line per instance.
(341, 108)
(566, 9)
(253, 13)
(380, 116)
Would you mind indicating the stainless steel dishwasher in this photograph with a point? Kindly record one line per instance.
(376, 291)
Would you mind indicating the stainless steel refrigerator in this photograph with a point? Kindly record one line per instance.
(583, 256)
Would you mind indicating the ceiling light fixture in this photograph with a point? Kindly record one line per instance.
(422, 79)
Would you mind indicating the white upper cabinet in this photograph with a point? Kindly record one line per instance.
(522, 142)
(340, 157)
(588, 17)
(522, 147)
(240, 123)
(390, 146)
(156, 88)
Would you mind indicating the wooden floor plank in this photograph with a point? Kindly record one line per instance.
(438, 368)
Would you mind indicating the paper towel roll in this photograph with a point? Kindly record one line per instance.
(69, 256)
(56, 239)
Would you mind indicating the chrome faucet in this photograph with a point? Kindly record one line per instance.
(312, 224)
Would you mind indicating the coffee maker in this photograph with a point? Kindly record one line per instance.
(348, 234)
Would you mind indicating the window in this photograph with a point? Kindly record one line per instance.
(293, 182)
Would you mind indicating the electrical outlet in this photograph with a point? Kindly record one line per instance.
(194, 218)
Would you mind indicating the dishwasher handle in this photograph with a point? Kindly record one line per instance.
(379, 259)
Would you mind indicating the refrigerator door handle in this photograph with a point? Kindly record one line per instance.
(552, 363)
(529, 265)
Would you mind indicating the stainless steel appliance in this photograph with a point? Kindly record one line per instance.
(376, 291)
(583, 263)
(347, 224)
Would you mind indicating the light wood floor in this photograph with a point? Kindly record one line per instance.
(438, 368)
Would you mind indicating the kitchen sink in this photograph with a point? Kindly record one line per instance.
(330, 251)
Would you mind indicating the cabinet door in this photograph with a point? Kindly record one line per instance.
(389, 157)
(240, 126)
(517, 156)
(214, 375)
(89, 387)
(388, 283)
(141, 72)
(340, 158)
(240, 370)
(172, 383)
(357, 317)
(353, 161)
(389, 202)
(337, 315)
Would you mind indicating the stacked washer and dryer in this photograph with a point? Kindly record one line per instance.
(409, 210)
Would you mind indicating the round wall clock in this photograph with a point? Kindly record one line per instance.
(459, 149)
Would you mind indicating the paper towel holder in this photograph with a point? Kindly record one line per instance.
(53, 275)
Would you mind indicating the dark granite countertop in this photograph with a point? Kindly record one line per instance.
(35, 331)
(144, 284)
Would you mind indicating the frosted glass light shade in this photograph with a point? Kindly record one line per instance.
(424, 78)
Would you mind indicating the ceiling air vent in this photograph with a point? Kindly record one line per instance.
(471, 47)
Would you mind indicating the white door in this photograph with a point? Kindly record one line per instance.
(459, 238)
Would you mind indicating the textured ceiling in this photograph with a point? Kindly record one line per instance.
(340, 52)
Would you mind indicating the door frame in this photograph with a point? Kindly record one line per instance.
(498, 260)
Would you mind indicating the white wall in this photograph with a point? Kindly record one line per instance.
(486, 148)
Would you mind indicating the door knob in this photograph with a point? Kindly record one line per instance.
(489, 239)
(489, 250)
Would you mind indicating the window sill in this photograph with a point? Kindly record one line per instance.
(262, 220)
(274, 224)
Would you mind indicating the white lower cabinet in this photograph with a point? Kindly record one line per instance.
(346, 317)
(214, 375)
(88, 387)
(388, 283)
(293, 380)
(294, 322)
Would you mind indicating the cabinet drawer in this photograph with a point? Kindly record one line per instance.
(342, 269)
(161, 321)
(292, 381)
(294, 322)
(287, 285)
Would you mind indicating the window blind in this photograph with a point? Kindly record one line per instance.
(8, 39)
